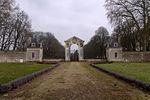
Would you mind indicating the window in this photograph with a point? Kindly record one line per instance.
(33, 44)
(33, 55)
(116, 55)
(115, 44)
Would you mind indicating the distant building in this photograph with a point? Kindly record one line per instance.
(114, 52)
(34, 51)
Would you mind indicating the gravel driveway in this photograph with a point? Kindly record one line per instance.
(76, 81)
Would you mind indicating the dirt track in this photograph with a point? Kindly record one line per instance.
(76, 81)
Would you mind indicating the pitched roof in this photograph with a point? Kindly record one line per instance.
(35, 42)
(74, 38)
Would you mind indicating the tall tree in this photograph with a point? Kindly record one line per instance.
(52, 49)
(126, 35)
(15, 26)
(6, 9)
(137, 11)
(96, 48)
(22, 27)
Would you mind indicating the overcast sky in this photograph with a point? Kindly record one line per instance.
(66, 18)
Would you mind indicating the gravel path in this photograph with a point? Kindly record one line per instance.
(76, 81)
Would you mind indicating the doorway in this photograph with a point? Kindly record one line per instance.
(74, 54)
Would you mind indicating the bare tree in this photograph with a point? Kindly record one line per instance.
(14, 25)
(22, 26)
(6, 9)
(137, 11)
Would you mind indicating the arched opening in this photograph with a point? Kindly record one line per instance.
(74, 52)
(74, 45)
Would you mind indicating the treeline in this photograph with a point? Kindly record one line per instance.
(96, 47)
(16, 32)
(52, 48)
(131, 22)
(130, 19)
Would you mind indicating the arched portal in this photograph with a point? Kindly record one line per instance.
(74, 54)
(71, 41)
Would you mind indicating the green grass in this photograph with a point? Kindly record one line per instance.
(12, 71)
(140, 71)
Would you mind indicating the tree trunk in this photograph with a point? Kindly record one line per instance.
(145, 43)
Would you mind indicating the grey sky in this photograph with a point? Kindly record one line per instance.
(66, 18)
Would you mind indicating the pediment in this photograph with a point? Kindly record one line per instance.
(74, 40)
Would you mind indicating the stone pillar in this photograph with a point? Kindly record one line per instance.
(41, 55)
(81, 55)
(67, 53)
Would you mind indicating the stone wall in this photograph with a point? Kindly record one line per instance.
(95, 60)
(53, 60)
(15, 56)
(12, 56)
(136, 56)
(117, 55)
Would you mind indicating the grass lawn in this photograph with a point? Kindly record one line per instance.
(140, 71)
(12, 71)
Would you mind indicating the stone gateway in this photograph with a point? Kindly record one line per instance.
(71, 41)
